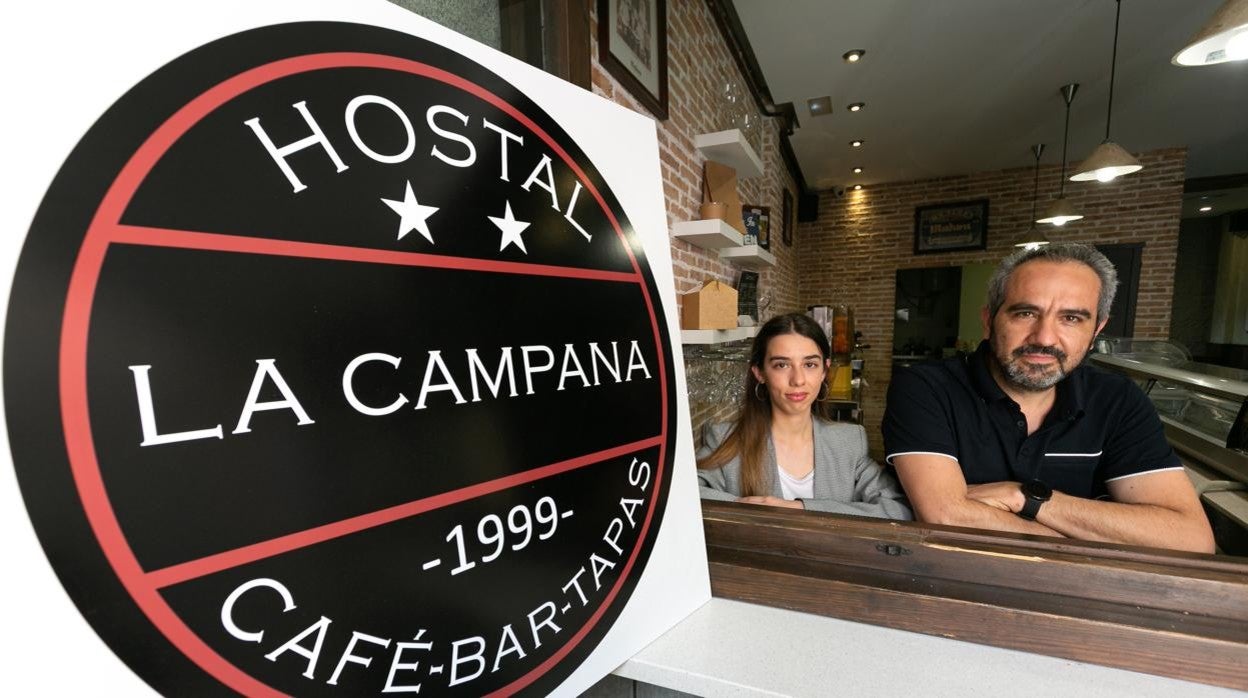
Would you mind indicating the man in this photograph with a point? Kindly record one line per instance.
(1047, 446)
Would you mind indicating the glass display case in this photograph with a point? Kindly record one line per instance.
(1198, 403)
(1204, 409)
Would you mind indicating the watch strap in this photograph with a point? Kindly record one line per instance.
(1031, 507)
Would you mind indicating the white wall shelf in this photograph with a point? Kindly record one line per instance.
(730, 148)
(711, 234)
(717, 336)
(748, 257)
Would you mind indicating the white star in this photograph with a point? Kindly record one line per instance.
(412, 216)
(511, 230)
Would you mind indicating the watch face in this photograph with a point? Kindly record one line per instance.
(1037, 490)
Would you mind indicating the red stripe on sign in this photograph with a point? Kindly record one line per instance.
(215, 242)
(186, 571)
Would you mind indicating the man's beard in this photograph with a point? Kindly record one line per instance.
(1031, 377)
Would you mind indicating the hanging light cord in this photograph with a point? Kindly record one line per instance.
(1061, 191)
(1113, 64)
(1035, 191)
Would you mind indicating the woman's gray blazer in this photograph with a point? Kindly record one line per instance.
(847, 481)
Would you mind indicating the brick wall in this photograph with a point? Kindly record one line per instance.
(854, 250)
(698, 65)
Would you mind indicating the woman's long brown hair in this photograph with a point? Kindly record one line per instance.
(748, 438)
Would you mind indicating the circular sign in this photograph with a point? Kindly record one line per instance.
(333, 367)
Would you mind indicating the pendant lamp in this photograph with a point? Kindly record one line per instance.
(1109, 161)
(1060, 212)
(1223, 38)
(1033, 237)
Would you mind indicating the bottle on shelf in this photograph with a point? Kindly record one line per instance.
(841, 338)
(837, 322)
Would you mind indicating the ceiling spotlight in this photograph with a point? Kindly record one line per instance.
(856, 106)
(857, 143)
(819, 106)
(857, 187)
(1206, 209)
(854, 56)
(857, 170)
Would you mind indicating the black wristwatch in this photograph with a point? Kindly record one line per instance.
(1035, 493)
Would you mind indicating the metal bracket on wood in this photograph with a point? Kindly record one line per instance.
(892, 550)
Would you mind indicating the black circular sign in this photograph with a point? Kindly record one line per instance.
(333, 367)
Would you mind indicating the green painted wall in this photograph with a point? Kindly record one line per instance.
(974, 295)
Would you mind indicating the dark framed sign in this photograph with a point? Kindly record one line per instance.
(747, 294)
(961, 225)
(1127, 259)
(632, 46)
(787, 218)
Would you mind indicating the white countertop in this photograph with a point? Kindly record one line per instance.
(734, 649)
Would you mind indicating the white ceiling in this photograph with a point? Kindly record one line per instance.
(960, 86)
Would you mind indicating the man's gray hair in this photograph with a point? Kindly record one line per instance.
(1058, 252)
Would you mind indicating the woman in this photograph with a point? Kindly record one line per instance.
(784, 450)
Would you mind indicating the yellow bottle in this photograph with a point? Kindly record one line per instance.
(840, 381)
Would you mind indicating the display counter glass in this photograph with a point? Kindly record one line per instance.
(1201, 405)
(1204, 409)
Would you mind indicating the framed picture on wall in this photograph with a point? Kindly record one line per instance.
(632, 46)
(954, 226)
(786, 218)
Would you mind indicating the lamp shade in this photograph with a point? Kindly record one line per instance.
(1060, 212)
(1032, 238)
(1223, 38)
(1108, 161)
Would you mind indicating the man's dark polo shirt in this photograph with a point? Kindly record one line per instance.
(1101, 427)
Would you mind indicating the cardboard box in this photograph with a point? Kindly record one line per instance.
(712, 307)
(719, 185)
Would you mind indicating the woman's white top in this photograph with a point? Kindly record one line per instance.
(795, 487)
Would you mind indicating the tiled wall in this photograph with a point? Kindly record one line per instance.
(860, 241)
